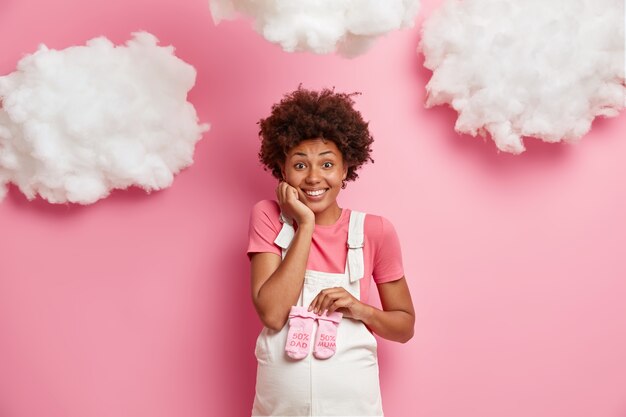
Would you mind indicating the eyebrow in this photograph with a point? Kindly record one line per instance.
(322, 153)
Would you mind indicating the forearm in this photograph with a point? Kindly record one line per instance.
(282, 289)
(397, 325)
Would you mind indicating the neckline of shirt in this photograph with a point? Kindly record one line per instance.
(340, 220)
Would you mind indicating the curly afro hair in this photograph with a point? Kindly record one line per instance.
(305, 114)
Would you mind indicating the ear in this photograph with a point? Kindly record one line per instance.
(282, 171)
(345, 172)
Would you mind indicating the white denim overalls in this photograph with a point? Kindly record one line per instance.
(346, 384)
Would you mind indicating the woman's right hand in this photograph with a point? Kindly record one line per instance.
(291, 206)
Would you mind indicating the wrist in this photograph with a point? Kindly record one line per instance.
(307, 225)
(367, 313)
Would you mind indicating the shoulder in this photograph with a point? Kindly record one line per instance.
(384, 248)
(266, 212)
(268, 207)
(264, 227)
(378, 227)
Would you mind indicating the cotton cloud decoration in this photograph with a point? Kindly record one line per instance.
(535, 68)
(79, 122)
(321, 26)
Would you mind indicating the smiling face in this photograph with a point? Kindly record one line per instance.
(315, 168)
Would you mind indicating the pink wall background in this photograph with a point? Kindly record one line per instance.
(139, 304)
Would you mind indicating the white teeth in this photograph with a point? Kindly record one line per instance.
(315, 193)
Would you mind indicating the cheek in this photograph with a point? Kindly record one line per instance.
(293, 178)
(339, 176)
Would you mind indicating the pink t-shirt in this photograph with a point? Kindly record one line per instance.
(381, 248)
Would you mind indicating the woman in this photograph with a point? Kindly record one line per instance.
(312, 262)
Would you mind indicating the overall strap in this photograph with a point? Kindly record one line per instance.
(286, 234)
(356, 265)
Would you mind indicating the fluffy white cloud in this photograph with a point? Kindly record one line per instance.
(321, 26)
(536, 68)
(79, 122)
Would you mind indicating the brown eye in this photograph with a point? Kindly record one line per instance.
(328, 165)
(299, 165)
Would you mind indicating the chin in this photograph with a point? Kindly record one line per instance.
(315, 207)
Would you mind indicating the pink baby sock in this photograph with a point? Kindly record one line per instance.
(326, 338)
(299, 335)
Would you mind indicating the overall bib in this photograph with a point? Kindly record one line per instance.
(346, 384)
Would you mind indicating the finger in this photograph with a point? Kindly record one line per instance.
(321, 301)
(313, 302)
(345, 302)
(346, 312)
(330, 297)
(341, 299)
(283, 193)
(328, 301)
(295, 193)
(291, 193)
(318, 302)
(340, 303)
(286, 194)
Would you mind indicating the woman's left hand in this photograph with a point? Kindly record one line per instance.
(338, 299)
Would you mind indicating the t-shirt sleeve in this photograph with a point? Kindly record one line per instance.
(264, 227)
(388, 256)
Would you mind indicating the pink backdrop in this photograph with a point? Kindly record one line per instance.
(139, 305)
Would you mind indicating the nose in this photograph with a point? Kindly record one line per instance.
(313, 176)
